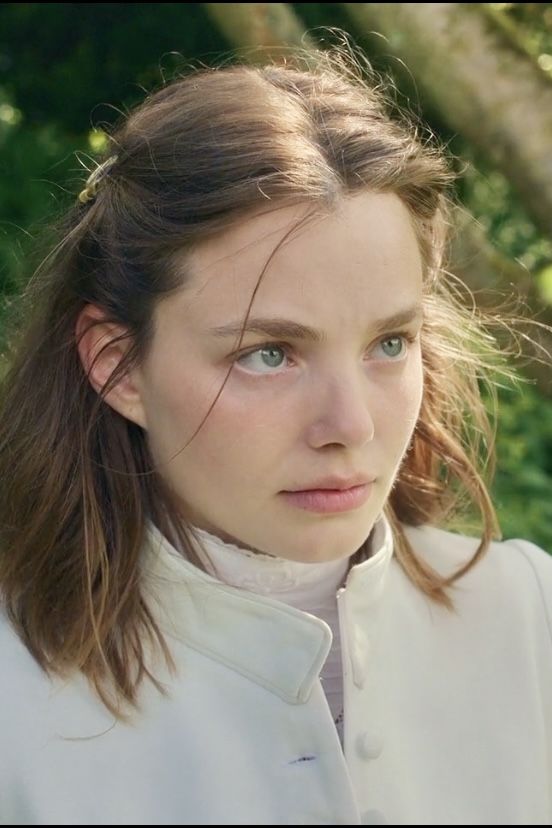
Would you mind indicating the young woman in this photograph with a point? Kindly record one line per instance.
(238, 421)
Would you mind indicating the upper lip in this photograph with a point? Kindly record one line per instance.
(335, 482)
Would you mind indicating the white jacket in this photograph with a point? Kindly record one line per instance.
(448, 717)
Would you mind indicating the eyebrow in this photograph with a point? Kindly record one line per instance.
(287, 329)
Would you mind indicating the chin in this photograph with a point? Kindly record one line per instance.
(324, 553)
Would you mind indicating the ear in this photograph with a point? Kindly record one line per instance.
(100, 351)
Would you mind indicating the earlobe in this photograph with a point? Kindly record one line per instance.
(101, 346)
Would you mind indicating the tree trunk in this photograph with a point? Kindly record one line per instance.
(261, 29)
(485, 86)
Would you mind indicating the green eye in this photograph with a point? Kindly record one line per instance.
(266, 356)
(275, 355)
(393, 346)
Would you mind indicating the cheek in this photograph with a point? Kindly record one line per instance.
(243, 430)
(175, 407)
(401, 401)
(238, 432)
(413, 391)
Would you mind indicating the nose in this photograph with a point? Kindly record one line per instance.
(341, 409)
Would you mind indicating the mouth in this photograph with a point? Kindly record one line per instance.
(334, 483)
(330, 500)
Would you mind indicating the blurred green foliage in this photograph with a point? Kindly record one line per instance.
(66, 69)
(523, 482)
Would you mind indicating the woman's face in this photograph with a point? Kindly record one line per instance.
(294, 409)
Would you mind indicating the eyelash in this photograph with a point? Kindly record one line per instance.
(407, 336)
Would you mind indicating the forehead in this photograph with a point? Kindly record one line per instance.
(368, 222)
(363, 251)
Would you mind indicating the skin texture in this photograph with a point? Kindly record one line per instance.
(298, 410)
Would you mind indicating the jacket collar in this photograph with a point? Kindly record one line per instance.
(275, 645)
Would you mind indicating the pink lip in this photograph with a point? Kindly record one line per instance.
(330, 500)
(334, 482)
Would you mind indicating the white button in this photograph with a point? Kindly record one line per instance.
(373, 817)
(369, 744)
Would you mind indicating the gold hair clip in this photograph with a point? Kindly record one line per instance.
(93, 180)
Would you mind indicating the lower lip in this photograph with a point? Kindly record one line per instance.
(330, 500)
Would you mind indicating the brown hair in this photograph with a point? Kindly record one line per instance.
(78, 481)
